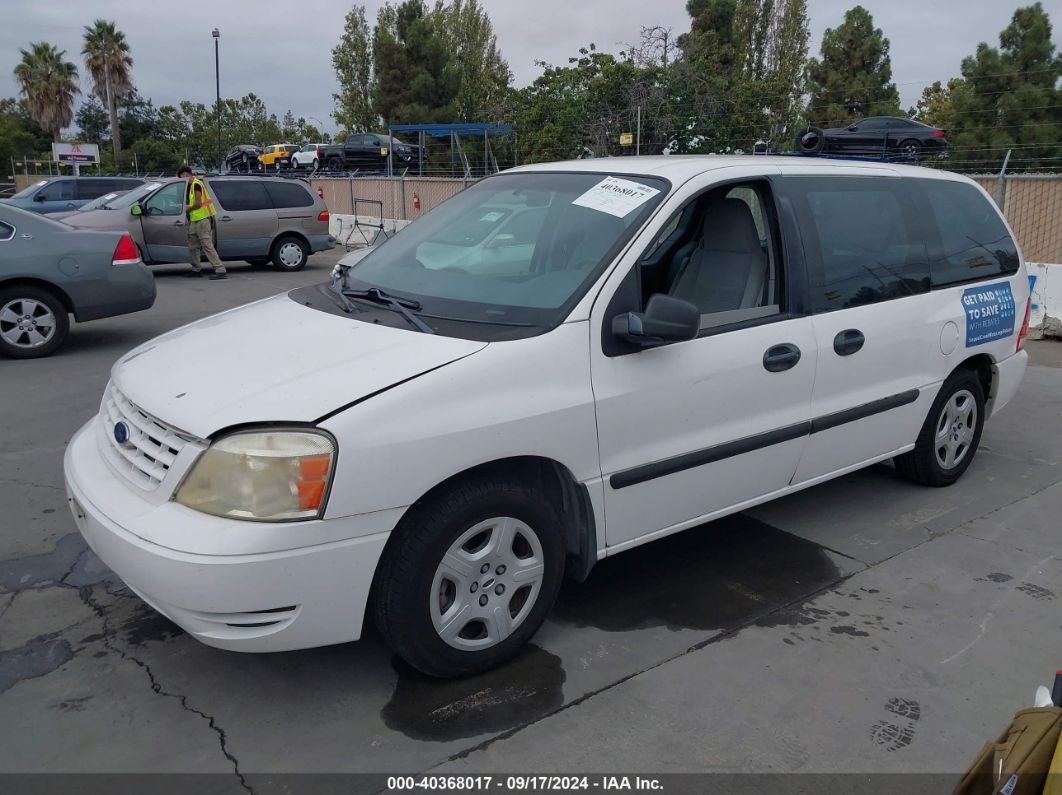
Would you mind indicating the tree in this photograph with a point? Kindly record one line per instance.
(352, 59)
(91, 119)
(484, 75)
(415, 81)
(20, 135)
(110, 67)
(853, 78)
(49, 85)
(936, 106)
(1010, 99)
(139, 119)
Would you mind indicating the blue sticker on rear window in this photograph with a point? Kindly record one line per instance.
(989, 313)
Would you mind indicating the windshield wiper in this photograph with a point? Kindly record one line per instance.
(400, 305)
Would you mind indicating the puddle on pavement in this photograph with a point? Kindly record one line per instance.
(528, 688)
(720, 575)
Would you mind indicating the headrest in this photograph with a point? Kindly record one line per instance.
(728, 226)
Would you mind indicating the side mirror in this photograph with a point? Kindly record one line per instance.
(666, 319)
(853, 128)
(136, 209)
(39, 197)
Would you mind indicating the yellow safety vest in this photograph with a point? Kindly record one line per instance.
(207, 209)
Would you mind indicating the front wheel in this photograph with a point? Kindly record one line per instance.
(33, 322)
(950, 435)
(290, 254)
(469, 577)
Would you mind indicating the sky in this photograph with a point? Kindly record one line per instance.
(281, 52)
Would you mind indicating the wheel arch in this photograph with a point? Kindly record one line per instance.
(555, 481)
(984, 367)
(290, 233)
(41, 284)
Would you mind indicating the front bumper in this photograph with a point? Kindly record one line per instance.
(257, 602)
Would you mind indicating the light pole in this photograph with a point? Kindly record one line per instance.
(217, 82)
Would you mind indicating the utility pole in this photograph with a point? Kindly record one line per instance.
(217, 84)
(638, 137)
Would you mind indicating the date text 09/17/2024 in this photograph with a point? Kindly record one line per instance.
(522, 783)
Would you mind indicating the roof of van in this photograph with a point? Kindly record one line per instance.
(679, 168)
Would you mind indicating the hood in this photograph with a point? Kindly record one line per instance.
(273, 361)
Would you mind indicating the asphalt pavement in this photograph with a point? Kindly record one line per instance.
(867, 625)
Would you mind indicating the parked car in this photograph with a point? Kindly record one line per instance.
(308, 157)
(95, 204)
(368, 151)
(243, 159)
(63, 194)
(49, 271)
(890, 136)
(437, 437)
(259, 219)
(277, 156)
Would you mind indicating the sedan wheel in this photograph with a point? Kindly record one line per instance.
(956, 428)
(487, 584)
(32, 323)
(911, 150)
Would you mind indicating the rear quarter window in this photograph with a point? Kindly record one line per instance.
(241, 195)
(972, 241)
(288, 194)
(6, 232)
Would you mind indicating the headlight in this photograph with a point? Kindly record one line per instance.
(263, 476)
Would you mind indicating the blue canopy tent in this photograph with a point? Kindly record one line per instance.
(454, 133)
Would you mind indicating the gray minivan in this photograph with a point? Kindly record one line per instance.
(63, 194)
(259, 219)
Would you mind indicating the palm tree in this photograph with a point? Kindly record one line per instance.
(110, 67)
(49, 85)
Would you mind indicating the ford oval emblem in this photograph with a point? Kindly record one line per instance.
(121, 432)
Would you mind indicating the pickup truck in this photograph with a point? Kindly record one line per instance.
(369, 151)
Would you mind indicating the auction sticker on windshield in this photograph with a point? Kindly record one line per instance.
(615, 196)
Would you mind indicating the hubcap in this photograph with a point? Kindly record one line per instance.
(487, 583)
(291, 254)
(955, 429)
(26, 323)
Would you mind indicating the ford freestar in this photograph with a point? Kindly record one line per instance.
(559, 364)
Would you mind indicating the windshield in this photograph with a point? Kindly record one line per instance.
(133, 196)
(514, 248)
(102, 201)
(30, 190)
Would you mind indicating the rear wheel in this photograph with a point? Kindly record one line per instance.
(469, 577)
(335, 164)
(290, 254)
(950, 435)
(33, 322)
(911, 149)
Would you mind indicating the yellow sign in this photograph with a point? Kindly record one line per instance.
(626, 139)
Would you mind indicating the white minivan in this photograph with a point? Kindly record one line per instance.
(560, 363)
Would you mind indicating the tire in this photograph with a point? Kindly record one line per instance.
(290, 253)
(910, 149)
(33, 322)
(810, 140)
(335, 164)
(417, 599)
(954, 424)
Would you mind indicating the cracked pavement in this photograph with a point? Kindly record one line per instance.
(865, 625)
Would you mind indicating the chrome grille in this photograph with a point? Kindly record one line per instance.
(152, 447)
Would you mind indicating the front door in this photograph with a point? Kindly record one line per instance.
(164, 225)
(693, 429)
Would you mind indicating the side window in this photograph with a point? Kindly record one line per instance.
(861, 239)
(719, 254)
(93, 188)
(57, 190)
(288, 194)
(974, 242)
(6, 232)
(167, 201)
(241, 194)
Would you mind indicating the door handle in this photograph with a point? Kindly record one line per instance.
(225, 218)
(781, 357)
(848, 341)
(178, 223)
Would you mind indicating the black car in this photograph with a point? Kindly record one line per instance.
(888, 136)
(243, 159)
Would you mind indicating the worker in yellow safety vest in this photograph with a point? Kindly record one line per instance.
(199, 208)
